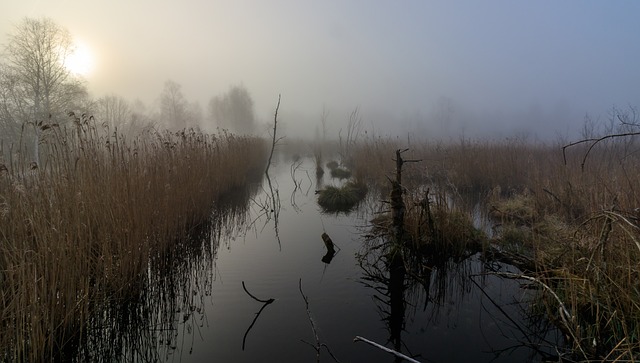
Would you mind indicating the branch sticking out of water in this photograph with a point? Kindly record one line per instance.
(265, 302)
(275, 141)
(255, 298)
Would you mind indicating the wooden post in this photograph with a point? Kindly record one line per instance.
(328, 243)
(397, 203)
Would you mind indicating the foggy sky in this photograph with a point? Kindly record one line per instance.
(499, 67)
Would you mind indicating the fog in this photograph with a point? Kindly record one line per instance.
(439, 69)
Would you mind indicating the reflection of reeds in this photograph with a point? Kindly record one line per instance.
(78, 233)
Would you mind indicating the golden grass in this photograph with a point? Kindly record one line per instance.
(82, 228)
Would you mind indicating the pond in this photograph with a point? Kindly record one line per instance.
(208, 309)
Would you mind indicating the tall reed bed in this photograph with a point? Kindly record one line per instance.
(81, 228)
(576, 218)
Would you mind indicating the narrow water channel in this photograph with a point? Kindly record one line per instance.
(464, 313)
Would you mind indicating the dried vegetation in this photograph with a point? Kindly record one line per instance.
(576, 219)
(82, 229)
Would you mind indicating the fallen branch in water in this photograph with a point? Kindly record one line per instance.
(397, 354)
(255, 298)
(265, 303)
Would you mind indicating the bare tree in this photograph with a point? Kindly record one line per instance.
(36, 85)
(234, 110)
(113, 111)
(174, 106)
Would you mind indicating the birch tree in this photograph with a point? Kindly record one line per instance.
(36, 87)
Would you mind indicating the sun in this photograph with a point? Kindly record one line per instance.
(81, 61)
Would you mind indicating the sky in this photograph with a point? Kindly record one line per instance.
(440, 68)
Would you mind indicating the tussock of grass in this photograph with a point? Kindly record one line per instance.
(83, 227)
(342, 199)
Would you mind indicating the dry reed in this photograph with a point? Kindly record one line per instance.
(81, 229)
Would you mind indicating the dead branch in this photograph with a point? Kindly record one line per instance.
(594, 142)
(275, 141)
(269, 301)
(265, 304)
(397, 354)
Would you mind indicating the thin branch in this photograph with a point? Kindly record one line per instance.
(594, 143)
(255, 298)
(275, 141)
(265, 303)
(397, 354)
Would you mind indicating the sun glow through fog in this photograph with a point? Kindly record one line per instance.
(80, 61)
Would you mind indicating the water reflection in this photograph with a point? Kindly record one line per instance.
(169, 300)
(418, 294)
(433, 306)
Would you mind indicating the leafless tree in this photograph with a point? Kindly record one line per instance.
(174, 108)
(36, 85)
(234, 110)
(113, 111)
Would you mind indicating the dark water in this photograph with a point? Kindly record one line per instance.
(201, 312)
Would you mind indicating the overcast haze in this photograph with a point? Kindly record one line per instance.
(499, 66)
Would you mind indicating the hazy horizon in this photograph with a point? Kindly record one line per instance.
(445, 69)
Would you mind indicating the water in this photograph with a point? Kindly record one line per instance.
(463, 313)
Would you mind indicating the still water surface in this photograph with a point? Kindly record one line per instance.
(462, 315)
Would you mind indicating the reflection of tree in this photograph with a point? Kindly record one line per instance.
(405, 280)
(385, 271)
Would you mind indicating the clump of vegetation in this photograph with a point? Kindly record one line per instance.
(332, 165)
(340, 173)
(342, 199)
(82, 228)
(337, 171)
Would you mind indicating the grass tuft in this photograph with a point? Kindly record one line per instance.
(342, 199)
